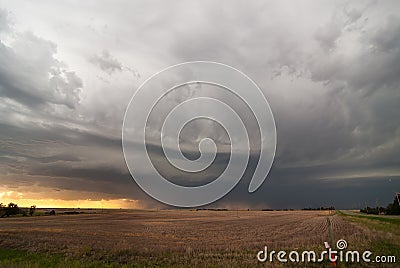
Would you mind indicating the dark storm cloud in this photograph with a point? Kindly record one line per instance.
(297, 191)
(64, 159)
(329, 71)
(345, 121)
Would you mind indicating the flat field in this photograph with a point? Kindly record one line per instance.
(114, 238)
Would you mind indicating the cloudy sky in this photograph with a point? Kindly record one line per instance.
(329, 69)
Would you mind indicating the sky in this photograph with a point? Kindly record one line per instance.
(330, 71)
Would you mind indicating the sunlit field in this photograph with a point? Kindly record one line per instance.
(113, 238)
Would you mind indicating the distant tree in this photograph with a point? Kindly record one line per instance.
(32, 210)
(394, 208)
(11, 209)
(2, 210)
(371, 210)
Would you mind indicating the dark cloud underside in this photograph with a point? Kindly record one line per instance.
(330, 72)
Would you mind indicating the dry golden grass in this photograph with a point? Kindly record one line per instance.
(177, 237)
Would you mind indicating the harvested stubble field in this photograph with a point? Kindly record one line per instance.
(180, 237)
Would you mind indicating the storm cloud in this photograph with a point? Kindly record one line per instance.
(330, 72)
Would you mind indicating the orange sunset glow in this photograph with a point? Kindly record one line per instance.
(16, 197)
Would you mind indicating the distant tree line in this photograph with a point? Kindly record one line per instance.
(391, 209)
(320, 208)
(212, 209)
(12, 209)
(292, 209)
(279, 209)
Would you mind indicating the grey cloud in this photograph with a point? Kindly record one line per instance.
(64, 159)
(328, 34)
(57, 158)
(32, 75)
(387, 37)
(354, 15)
(339, 112)
(110, 64)
(329, 71)
(4, 21)
(106, 62)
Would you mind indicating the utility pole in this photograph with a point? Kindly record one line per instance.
(397, 196)
(377, 206)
